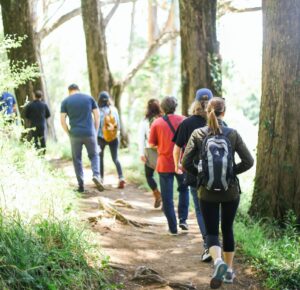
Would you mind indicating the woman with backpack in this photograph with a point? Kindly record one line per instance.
(108, 134)
(213, 147)
(152, 113)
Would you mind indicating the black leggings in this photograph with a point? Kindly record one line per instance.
(211, 215)
(149, 172)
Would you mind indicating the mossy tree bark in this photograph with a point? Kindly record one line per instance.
(200, 59)
(277, 182)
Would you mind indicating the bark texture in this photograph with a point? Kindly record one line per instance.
(16, 16)
(199, 49)
(99, 74)
(277, 183)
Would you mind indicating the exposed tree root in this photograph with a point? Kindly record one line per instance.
(149, 276)
(106, 206)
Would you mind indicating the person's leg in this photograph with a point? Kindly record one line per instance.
(149, 172)
(93, 154)
(76, 147)
(199, 215)
(229, 210)
(102, 144)
(183, 201)
(92, 149)
(210, 211)
(113, 146)
(42, 139)
(166, 186)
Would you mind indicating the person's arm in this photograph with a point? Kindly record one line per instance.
(153, 141)
(190, 153)
(14, 106)
(47, 112)
(176, 157)
(142, 139)
(96, 115)
(245, 156)
(63, 122)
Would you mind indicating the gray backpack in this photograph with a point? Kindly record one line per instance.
(216, 164)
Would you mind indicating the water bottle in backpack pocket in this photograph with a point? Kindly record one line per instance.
(216, 162)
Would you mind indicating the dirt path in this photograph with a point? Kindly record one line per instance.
(175, 258)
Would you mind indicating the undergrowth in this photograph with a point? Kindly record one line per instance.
(42, 243)
(273, 250)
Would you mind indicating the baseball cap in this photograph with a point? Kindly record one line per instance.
(104, 96)
(203, 94)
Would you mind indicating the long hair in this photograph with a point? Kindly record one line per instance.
(104, 99)
(215, 107)
(198, 108)
(153, 109)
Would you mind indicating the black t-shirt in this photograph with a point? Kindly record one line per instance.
(186, 128)
(37, 112)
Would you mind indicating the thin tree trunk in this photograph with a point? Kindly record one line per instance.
(277, 182)
(153, 30)
(199, 49)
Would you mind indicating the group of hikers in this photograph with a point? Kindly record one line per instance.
(197, 151)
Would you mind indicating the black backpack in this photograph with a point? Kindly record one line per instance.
(215, 169)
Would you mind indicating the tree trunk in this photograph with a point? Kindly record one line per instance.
(29, 51)
(98, 68)
(153, 30)
(277, 182)
(199, 49)
(16, 18)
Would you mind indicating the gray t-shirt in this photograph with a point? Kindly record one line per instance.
(79, 109)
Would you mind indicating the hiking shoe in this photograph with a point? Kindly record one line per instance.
(157, 197)
(122, 184)
(80, 189)
(98, 183)
(172, 234)
(184, 226)
(229, 277)
(219, 272)
(206, 257)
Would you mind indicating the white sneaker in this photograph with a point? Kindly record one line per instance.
(98, 183)
(206, 257)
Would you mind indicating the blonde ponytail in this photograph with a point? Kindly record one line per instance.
(215, 107)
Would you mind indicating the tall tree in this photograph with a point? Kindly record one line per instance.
(16, 16)
(277, 182)
(94, 28)
(200, 59)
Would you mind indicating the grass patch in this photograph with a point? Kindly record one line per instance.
(274, 251)
(48, 254)
(42, 243)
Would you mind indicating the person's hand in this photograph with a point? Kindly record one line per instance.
(144, 159)
(178, 169)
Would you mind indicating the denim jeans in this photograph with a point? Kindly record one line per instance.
(166, 187)
(92, 148)
(149, 172)
(199, 214)
(113, 147)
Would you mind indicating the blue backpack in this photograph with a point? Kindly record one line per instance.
(215, 167)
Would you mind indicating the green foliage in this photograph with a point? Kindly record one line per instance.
(42, 244)
(48, 254)
(216, 72)
(14, 74)
(273, 251)
(251, 108)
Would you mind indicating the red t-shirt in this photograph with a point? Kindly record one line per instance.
(161, 136)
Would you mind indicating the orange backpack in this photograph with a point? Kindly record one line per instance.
(110, 127)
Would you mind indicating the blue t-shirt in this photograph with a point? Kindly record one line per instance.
(79, 109)
(7, 102)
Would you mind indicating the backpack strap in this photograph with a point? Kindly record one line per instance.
(166, 118)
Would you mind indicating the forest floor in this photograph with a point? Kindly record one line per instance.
(176, 259)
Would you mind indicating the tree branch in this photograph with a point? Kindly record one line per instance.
(60, 21)
(163, 38)
(111, 13)
(227, 6)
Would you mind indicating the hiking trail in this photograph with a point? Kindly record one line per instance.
(141, 240)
